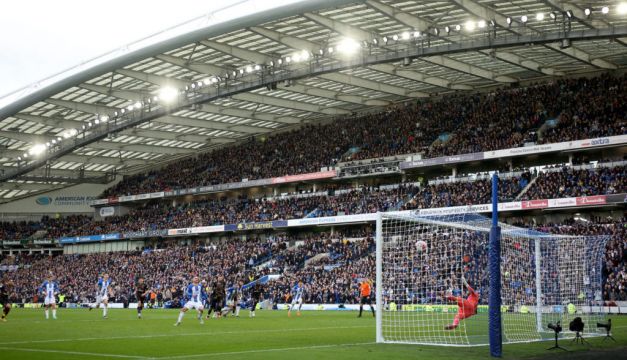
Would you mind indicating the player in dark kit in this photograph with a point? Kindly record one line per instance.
(217, 297)
(255, 298)
(6, 292)
(141, 290)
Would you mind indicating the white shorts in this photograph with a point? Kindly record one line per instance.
(194, 305)
(102, 298)
(50, 301)
(297, 301)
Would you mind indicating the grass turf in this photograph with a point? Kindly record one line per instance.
(79, 334)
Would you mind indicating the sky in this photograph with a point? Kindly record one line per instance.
(39, 38)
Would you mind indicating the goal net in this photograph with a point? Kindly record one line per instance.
(422, 262)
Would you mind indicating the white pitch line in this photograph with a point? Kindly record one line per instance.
(261, 351)
(176, 334)
(78, 353)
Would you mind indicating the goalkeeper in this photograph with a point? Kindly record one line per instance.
(466, 307)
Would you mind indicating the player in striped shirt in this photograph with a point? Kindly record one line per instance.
(103, 290)
(195, 295)
(297, 298)
(50, 289)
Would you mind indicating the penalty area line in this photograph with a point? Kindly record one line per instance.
(170, 334)
(227, 353)
(77, 353)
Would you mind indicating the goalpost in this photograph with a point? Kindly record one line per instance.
(544, 279)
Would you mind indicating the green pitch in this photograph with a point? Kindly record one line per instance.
(79, 334)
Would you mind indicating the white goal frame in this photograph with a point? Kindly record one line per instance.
(591, 313)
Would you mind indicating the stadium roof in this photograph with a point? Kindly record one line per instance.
(251, 69)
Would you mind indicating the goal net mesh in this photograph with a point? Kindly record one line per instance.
(544, 279)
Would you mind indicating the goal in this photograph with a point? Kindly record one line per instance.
(544, 279)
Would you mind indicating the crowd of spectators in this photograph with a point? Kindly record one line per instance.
(330, 265)
(615, 260)
(457, 124)
(163, 215)
(572, 183)
(169, 269)
(466, 193)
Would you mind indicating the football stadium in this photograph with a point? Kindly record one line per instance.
(325, 179)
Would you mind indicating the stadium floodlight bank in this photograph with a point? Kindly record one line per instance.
(544, 279)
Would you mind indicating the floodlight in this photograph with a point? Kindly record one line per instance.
(104, 118)
(89, 124)
(605, 10)
(436, 31)
(96, 122)
(47, 144)
(540, 16)
(280, 61)
(349, 46)
(374, 41)
(130, 107)
(37, 149)
(395, 37)
(385, 39)
(481, 24)
(54, 141)
(331, 49)
(167, 94)
(621, 8)
(492, 23)
(569, 14)
(25, 155)
(207, 81)
(193, 85)
(416, 34)
(470, 25)
(523, 19)
(288, 59)
(447, 29)
(296, 57)
(405, 35)
(509, 20)
(257, 67)
(241, 71)
(249, 69)
(587, 11)
(552, 15)
(458, 27)
(19, 158)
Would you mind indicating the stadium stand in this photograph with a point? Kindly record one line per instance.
(550, 183)
(448, 126)
(330, 264)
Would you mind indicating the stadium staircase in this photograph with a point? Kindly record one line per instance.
(526, 188)
(350, 152)
(316, 258)
(39, 234)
